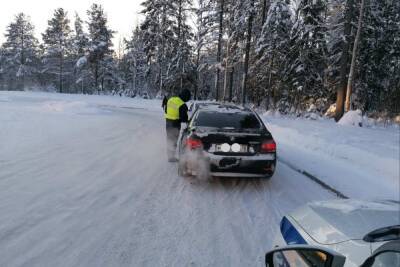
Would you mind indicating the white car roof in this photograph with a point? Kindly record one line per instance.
(335, 221)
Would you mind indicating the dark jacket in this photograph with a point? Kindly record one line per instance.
(164, 102)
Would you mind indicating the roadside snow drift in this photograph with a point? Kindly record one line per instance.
(352, 118)
(359, 162)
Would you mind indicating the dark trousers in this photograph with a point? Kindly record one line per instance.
(173, 129)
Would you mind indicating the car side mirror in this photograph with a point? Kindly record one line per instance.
(303, 256)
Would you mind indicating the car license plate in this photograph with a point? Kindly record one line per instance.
(229, 162)
(230, 148)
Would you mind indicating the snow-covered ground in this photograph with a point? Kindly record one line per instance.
(84, 181)
(359, 162)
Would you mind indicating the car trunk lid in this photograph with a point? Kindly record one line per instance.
(249, 140)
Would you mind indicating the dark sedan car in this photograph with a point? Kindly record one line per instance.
(226, 141)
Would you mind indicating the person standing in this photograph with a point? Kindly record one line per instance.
(164, 103)
(176, 112)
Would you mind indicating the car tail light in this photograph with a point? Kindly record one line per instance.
(192, 143)
(268, 146)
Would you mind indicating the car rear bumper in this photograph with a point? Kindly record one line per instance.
(258, 157)
(200, 161)
(259, 165)
(237, 175)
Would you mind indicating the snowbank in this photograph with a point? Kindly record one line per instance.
(330, 113)
(34, 116)
(78, 103)
(359, 162)
(352, 118)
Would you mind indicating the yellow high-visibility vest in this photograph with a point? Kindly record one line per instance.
(173, 105)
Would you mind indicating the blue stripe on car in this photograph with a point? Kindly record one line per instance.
(290, 234)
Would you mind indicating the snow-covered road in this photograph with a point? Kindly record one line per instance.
(89, 185)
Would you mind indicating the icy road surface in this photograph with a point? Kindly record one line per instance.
(84, 181)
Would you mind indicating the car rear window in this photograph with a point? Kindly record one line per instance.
(239, 120)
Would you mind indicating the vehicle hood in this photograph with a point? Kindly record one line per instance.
(335, 221)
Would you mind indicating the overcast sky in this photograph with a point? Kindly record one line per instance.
(122, 14)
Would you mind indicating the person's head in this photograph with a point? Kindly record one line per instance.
(185, 95)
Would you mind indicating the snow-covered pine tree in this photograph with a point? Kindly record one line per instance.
(354, 56)
(134, 61)
(223, 31)
(80, 39)
(180, 72)
(272, 50)
(80, 43)
(378, 87)
(57, 61)
(220, 15)
(2, 69)
(262, 17)
(111, 77)
(202, 37)
(214, 18)
(20, 53)
(235, 28)
(340, 37)
(231, 44)
(100, 46)
(158, 38)
(250, 13)
(240, 24)
(307, 58)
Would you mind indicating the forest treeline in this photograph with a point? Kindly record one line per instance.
(286, 55)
